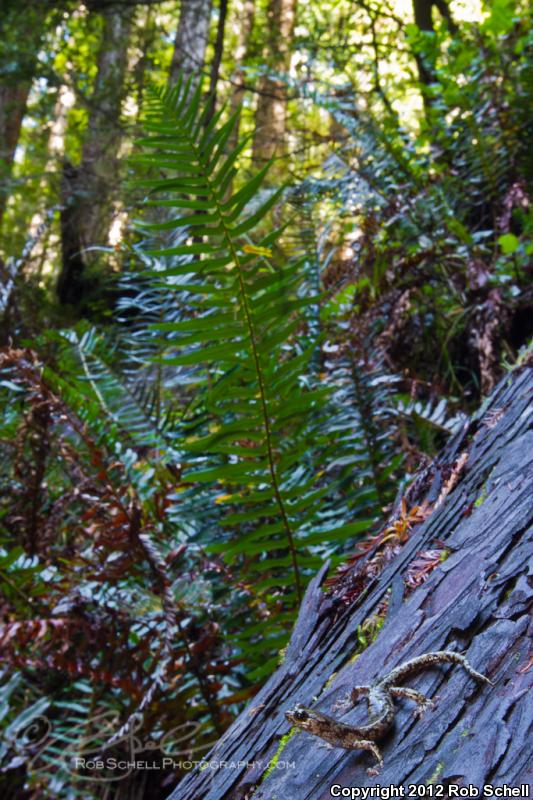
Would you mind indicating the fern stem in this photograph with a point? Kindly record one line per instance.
(264, 408)
(272, 467)
(260, 378)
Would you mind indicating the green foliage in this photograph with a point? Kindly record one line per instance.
(250, 394)
(199, 433)
(439, 220)
(257, 435)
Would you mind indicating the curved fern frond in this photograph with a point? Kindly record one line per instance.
(242, 312)
(260, 433)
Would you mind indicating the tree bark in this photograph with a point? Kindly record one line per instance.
(191, 40)
(271, 113)
(89, 190)
(217, 58)
(21, 30)
(13, 99)
(71, 280)
(477, 601)
(246, 14)
(99, 169)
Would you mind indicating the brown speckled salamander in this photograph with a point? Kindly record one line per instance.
(380, 700)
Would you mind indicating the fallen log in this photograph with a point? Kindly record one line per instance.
(461, 581)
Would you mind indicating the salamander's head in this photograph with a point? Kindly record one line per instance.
(299, 716)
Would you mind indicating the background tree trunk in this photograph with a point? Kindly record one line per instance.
(13, 99)
(89, 191)
(475, 601)
(244, 17)
(217, 58)
(423, 14)
(22, 26)
(191, 40)
(99, 164)
(271, 113)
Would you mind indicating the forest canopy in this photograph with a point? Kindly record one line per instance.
(258, 260)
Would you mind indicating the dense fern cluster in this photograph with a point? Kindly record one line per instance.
(201, 455)
(438, 220)
(257, 434)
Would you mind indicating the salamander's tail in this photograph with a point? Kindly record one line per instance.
(458, 658)
(471, 671)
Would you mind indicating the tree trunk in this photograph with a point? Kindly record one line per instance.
(244, 13)
(13, 101)
(99, 169)
(217, 59)
(71, 281)
(89, 191)
(191, 40)
(459, 582)
(271, 114)
(423, 14)
(21, 29)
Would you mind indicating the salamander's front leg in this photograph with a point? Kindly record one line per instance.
(344, 704)
(364, 744)
(423, 702)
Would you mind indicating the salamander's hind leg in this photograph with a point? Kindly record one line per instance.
(423, 702)
(351, 698)
(365, 744)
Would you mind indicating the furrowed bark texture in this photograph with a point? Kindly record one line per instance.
(244, 22)
(271, 112)
(477, 601)
(89, 191)
(99, 169)
(191, 40)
